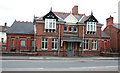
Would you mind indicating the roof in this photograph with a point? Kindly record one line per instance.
(62, 15)
(3, 28)
(104, 35)
(116, 25)
(21, 28)
(50, 13)
(91, 18)
(71, 39)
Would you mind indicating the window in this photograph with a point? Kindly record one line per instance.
(54, 43)
(32, 43)
(75, 29)
(44, 43)
(22, 43)
(86, 45)
(91, 26)
(65, 28)
(70, 29)
(50, 23)
(94, 44)
(12, 42)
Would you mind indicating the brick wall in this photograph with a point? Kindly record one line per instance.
(112, 32)
(17, 37)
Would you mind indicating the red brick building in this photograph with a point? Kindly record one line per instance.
(113, 30)
(60, 34)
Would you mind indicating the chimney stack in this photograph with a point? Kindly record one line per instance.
(5, 24)
(109, 21)
(75, 10)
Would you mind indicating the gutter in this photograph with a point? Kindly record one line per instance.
(59, 41)
(83, 42)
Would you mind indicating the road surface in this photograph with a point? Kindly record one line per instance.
(39, 65)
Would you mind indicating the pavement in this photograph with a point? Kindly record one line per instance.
(105, 68)
(56, 58)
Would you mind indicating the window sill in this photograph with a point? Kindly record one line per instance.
(44, 49)
(54, 49)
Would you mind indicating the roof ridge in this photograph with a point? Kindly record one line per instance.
(24, 21)
(66, 13)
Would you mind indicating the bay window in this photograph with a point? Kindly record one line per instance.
(50, 23)
(91, 26)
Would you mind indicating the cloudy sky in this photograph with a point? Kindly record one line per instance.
(24, 10)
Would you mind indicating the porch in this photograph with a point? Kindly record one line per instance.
(72, 46)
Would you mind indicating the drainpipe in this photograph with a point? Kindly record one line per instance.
(59, 41)
(118, 39)
(83, 42)
(34, 34)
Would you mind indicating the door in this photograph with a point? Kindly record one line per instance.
(70, 50)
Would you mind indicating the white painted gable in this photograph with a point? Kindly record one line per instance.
(71, 19)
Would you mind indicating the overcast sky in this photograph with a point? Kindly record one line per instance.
(24, 10)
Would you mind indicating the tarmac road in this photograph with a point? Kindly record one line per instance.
(109, 65)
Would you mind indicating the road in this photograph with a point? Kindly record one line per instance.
(109, 65)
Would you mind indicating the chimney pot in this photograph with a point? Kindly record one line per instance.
(5, 24)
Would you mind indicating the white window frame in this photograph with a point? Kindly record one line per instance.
(47, 23)
(22, 43)
(85, 44)
(93, 28)
(74, 29)
(44, 41)
(54, 41)
(93, 44)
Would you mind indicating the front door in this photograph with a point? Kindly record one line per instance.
(70, 49)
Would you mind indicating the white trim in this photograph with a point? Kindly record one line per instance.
(81, 18)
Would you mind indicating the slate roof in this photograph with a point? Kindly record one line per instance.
(62, 16)
(21, 28)
(104, 35)
(116, 25)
